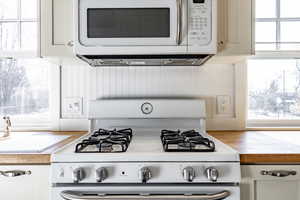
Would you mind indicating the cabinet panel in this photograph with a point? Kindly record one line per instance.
(34, 186)
(62, 21)
(237, 33)
(277, 190)
(258, 186)
(56, 28)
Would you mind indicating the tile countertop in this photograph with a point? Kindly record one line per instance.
(42, 158)
(255, 147)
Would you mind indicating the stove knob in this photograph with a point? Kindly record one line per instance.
(101, 174)
(145, 174)
(78, 175)
(188, 174)
(212, 174)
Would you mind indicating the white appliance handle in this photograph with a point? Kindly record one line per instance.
(179, 22)
(76, 195)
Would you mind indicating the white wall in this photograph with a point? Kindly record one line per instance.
(208, 81)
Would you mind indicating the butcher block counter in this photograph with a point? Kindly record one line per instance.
(255, 147)
(263, 147)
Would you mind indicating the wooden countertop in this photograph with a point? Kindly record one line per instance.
(42, 158)
(263, 147)
(255, 147)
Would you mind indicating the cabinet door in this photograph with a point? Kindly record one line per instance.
(34, 186)
(235, 23)
(56, 27)
(256, 186)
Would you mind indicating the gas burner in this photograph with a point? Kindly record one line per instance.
(187, 141)
(106, 141)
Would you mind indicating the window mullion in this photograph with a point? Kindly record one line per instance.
(278, 25)
(19, 24)
(19, 33)
(19, 10)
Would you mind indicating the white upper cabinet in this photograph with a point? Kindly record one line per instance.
(57, 27)
(235, 32)
(235, 23)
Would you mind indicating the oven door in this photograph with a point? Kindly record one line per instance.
(132, 22)
(147, 193)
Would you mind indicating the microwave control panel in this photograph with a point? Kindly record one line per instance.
(200, 20)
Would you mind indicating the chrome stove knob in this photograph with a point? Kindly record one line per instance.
(101, 174)
(145, 174)
(188, 174)
(212, 174)
(78, 175)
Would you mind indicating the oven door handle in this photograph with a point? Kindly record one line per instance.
(179, 22)
(76, 195)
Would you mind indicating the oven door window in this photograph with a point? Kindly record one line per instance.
(128, 22)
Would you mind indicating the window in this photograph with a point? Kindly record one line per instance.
(28, 92)
(19, 27)
(273, 89)
(277, 25)
(274, 76)
(24, 88)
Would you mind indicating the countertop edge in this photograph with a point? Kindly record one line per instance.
(241, 141)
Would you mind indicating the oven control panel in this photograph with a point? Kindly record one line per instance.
(200, 20)
(76, 173)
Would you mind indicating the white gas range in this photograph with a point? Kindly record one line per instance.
(146, 149)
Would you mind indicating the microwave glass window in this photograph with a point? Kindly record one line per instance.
(128, 22)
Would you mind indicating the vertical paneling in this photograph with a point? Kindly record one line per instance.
(129, 82)
(75, 84)
(163, 81)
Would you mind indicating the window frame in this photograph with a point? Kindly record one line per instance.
(24, 53)
(242, 78)
(33, 124)
(278, 19)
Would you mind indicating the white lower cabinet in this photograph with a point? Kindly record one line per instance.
(33, 185)
(270, 182)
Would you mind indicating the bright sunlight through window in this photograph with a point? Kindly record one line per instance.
(24, 88)
(273, 89)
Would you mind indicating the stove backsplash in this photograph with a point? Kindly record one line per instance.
(84, 83)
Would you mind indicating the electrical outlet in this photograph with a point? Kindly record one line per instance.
(224, 105)
(73, 105)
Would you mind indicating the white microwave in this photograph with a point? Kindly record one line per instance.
(145, 32)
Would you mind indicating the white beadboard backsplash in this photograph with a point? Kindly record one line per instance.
(208, 81)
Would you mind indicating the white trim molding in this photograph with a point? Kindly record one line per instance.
(238, 122)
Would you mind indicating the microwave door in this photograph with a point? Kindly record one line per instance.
(132, 22)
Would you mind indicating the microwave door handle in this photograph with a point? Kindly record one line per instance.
(179, 22)
(76, 195)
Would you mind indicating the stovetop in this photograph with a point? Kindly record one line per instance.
(146, 146)
(106, 141)
(118, 141)
(186, 141)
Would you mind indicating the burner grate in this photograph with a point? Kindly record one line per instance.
(187, 141)
(106, 141)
